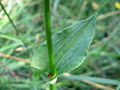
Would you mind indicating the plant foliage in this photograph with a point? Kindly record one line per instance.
(70, 46)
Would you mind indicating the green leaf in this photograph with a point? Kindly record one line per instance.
(93, 79)
(70, 46)
(40, 60)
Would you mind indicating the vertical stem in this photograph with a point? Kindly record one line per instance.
(16, 31)
(52, 87)
(47, 17)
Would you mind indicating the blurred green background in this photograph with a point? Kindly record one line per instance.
(101, 69)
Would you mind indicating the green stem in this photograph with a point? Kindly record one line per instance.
(16, 31)
(47, 18)
(52, 87)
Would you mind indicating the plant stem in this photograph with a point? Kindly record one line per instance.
(16, 31)
(52, 87)
(47, 17)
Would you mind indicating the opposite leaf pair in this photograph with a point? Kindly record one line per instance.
(70, 46)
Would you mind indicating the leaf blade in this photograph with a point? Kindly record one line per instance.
(74, 50)
(69, 45)
(40, 59)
